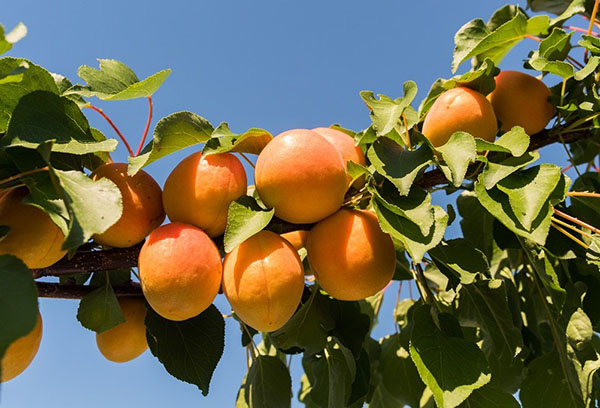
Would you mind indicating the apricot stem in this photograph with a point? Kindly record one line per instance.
(531, 37)
(569, 235)
(247, 159)
(253, 349)
(141, 145)
(583, 194)
(571, 227)
(23, 174)
(580, 30)
(577, 221)
(591, 27)
(111, 123)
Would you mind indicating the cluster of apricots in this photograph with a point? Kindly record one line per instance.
(301, 174)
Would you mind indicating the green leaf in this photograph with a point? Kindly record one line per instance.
(224, 140)
(566, 8)
(172, 133)
(529, 190)
(99, 310)
(18, 301)
(546, 386)
(556, 46)
(484, 305)
(191, 349)
(461, 258)
(490, 397)
(34, 78)
(400, 383)
(457, 153)
(308, 328)
(560, 68)
(545, 272)
(93, 206)
(115, 81)
(408, 233)
(267, 385)
(476, 223)
(42, 116)
(244, 219)
(477, 40)
(386, 112)
(8, 39)
(515, 142)
(497, 203)
(415, 207)
(498, 167)
(329, 377)
(436, 353)
(399, 166)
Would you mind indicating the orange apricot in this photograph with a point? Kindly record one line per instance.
(180, 271)
(460, 109)
(127, 340)
(345, 145)
(302, 176)
(521, 100)
(21, 352)
(142, 206)
(199, 190)
(263, 280)
(296, 238)
(33, 236)
(350, 256)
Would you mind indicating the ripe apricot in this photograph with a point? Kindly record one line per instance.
(263, 281)
(21, 352)
(296, 238)
(180, 271)
(33, 236)
(302, 176)
(142, 206)
(345, 145)
(460, 109)
(127, 340)
(521, 100)
(350, 256)
(199, 190)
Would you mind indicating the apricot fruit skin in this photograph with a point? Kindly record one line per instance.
(127, 340)
(302, 176)
(200, 188)
(180, 271)
(263, 280)
(345, 145)
(521, 100)
(33, 236)
(296, 238)
(350, 256)
(20, 353)
(460, 109)
(142, 206)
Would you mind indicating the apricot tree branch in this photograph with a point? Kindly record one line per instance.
(56, 290)
(93, 260)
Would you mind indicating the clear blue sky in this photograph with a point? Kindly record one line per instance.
(271, 64)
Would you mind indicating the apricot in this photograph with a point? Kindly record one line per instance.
(296, 238)
(21, 352)
(127, 340)
(345, 145)
(33, 236)
(263, 280)
(350, 256)
(142, 206)
(302, 176)
(199, 190)
(460, 109)
(180, 271)
(521, 100)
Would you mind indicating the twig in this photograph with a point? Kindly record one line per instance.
(111, 123)
(141, 145)
(58, 291)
